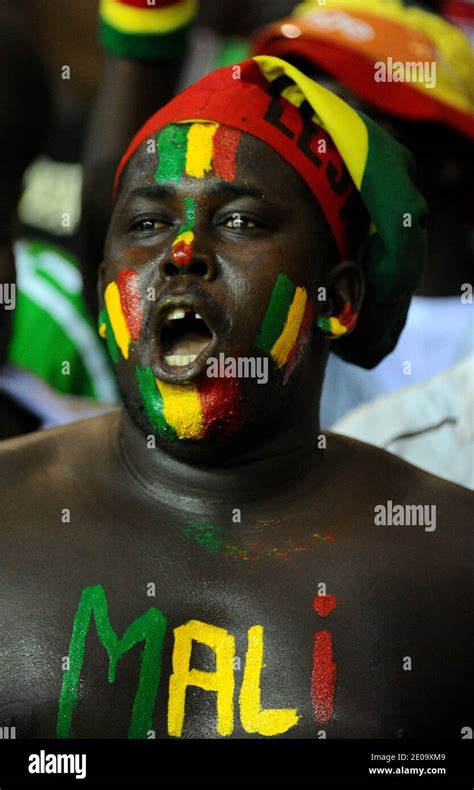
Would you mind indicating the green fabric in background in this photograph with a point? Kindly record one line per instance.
(52, 327)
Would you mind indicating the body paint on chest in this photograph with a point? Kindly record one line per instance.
(212, 538)
(323, 680)
(150, 628)
(195, 150)
(286, 326)
(212, 407)
(121, 318)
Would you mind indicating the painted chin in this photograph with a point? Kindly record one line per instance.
(185, 332)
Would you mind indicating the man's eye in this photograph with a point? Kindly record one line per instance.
(148, 225)
(240, 222)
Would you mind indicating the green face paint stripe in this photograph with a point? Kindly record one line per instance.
(276, 314)
(190, 215)
(150, 627)
(110, 337)
(153, 401)
(172, 146)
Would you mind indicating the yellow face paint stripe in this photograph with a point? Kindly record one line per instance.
(199, 149)
(117, 318)
(187, 236)
(182, 409)
(281, 350)
(333, 114)
(148, 20)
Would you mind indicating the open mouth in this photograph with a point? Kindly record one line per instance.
(184, 335)
(184, 338)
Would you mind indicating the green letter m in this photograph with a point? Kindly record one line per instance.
(150, 628)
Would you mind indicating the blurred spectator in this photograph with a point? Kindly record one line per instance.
(44, 328)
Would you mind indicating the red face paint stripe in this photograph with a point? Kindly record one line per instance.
(182, 253)
(221, 405)
(129, 289)
(304, 333)
(323, 679)
(224, 152)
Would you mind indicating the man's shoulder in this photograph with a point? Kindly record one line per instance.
(378, 474)
(43, 457)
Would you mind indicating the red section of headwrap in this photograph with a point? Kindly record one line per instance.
(250, 103)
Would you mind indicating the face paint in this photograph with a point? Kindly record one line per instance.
(323, 679)
(286, 326)
(191, 411)
(211, 538)
(195, 150)
(182, 248)
(336, 326)
(120, 320)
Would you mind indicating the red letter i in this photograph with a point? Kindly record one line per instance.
(323, 679)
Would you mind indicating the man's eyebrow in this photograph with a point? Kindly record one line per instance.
(157, 191)
(160, 191)
(236, 190)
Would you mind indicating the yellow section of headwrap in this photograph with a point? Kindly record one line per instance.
(331, 112)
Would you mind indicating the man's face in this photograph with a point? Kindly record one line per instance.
(215, 252)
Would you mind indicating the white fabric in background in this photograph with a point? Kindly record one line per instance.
(431, 425)
(438, 334)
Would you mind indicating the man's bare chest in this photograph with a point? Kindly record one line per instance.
(206, 632)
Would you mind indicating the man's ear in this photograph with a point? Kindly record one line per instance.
(100, 285)
(345, 285)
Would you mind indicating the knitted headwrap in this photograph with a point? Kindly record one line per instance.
(275, 102)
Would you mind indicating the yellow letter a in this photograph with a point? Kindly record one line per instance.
(222, 680)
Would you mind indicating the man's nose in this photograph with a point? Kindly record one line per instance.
(185, 259)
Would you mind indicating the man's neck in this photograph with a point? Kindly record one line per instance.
(255, 473)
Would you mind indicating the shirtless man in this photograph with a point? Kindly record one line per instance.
(265, 580)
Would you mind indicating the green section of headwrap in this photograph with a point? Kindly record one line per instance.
(393, 256)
